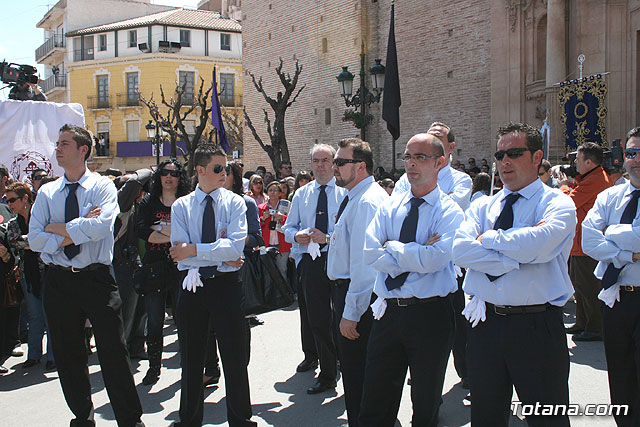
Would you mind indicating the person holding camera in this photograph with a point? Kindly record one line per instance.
(26, 91)
(269, 220)
(158, 275)
(591, 180)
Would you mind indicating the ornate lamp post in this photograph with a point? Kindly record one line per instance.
(155, 134)
(363, 96)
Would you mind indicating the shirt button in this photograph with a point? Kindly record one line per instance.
(499, 289)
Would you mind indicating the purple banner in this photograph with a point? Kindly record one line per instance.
(144, 149)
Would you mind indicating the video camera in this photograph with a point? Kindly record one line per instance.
(15, 74)
(612, 159)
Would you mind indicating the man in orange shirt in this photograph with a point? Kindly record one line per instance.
(592, 179)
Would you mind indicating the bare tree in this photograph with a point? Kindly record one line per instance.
(234, 127)
(277, 149)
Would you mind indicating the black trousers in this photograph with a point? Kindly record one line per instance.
(351, 353)
(306, 335)
(587, 287)
(134, 317)
(621, 329)
(69, 299)
(420, 337)
(528, 351)
(316, 288)
(219, 299)
(462, 327)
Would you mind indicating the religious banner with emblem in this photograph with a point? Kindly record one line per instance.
(583, 111)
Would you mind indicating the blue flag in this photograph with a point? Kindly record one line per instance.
(216, 116)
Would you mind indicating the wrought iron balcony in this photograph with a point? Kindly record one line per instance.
(128, 99)
(98, 102)
(55, 42)
(231, 102)
(53, 82)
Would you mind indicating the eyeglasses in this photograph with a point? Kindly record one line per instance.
(258, 182)
(13, 199)
(286, 167)
(220, 168)
(173, 173)
(418, 157)
(631, 153)
(513, 153)
(339, 161)
(38, 177)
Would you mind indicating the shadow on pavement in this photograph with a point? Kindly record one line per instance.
(583, 353)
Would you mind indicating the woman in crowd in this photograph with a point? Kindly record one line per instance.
(284, 189)
(302, 179)
(387, 184)
(256, 189)
(481, 186)
(269, 219)
(20, 200)
(154, 227)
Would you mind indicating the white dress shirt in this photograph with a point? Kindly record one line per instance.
(606, 240)
(346, 257)
(431, 267)
(530, 259)
(302, 214)
(452, 182)
(231, 228)
(93, 235)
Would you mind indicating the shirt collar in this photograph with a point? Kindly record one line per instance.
(331, 183)
(85, 180)
(200, 195)
(445, 171)
(527, 192)
(628, 189)
(431, 198)
(361, 187)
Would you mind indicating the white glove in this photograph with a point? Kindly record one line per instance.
(475, 311)
(457, 270)
(610, 296)
(378, 308)
(192, 281)
(313, 248)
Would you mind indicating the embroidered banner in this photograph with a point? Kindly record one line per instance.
(583, 111)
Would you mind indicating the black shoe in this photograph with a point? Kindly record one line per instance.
(207, 381)
(152, 376)
(575, 329)
(30, 363)
(50, 366)
(254, 321)
(321, 386)
(307, 365)
(465, 383)
(587, 336)
(3, 370)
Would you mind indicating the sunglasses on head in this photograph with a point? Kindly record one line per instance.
(631, 153)
(513, 153)
(339, 161)
(173, 173)
(13, 199)
(38, 177)
(220, 168)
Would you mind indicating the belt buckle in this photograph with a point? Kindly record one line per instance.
(74, 270)
(496, 307)
(629, 288)
(400, 304)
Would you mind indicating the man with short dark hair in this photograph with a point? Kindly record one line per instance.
(544, 172)
(36, 179)
(515, 247)
(208, 230)
(284, 170)
(71, 226)
(609, 236)
(591, 181)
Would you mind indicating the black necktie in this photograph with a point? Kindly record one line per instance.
(342, 206)
(71, 211)
(208, 233)
(505, 220)
(322, 216)
(611, 274)
(407, 234)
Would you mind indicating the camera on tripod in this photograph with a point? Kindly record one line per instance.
(16, 74)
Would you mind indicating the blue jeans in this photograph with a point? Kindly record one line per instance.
(155, 305)
(37, 324)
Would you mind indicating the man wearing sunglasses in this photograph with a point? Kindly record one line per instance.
(515, 246)
(311, 219)
(592, 179)
(609, 234)
(352, 280)
(208, 231)
(36, 179)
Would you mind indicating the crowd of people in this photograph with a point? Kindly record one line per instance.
(392, 271)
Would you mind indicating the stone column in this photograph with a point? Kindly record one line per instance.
(556, 70)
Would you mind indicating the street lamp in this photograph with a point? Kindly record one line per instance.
(363, 96)
(154, 137)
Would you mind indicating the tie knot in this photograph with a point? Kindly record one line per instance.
(511, 198)
(323, 187)
(208, 199)
(416, 202)
(73, 187)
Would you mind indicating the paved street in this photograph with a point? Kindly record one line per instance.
(33, 398)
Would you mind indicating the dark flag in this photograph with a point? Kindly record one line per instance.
(216, 116)
(391, 101)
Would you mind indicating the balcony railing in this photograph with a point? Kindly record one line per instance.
(235, 101)
(127, 99)
(97, 102)
(53, 82)
(57, 41)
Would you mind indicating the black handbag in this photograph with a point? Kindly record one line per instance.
(154, 277)
(12, 290)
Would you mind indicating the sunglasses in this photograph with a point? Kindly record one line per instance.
(258, 182)
(513, 153)
(286, 167)
(220, 168)
(38, 177)
(173, 173)
(631, 153)
(13, 199)
(339, 162)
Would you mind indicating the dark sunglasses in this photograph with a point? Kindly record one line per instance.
(339, 161)
(513, 153)
(286, 167)
(220, 168)
(173, 173)
(38, 177)
(258, 182)
(13, 199)
(631, 153)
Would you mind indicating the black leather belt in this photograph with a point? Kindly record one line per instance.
(341, 282)
(405, 302)
(504, 310)
(629, 288)
(90, 267)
